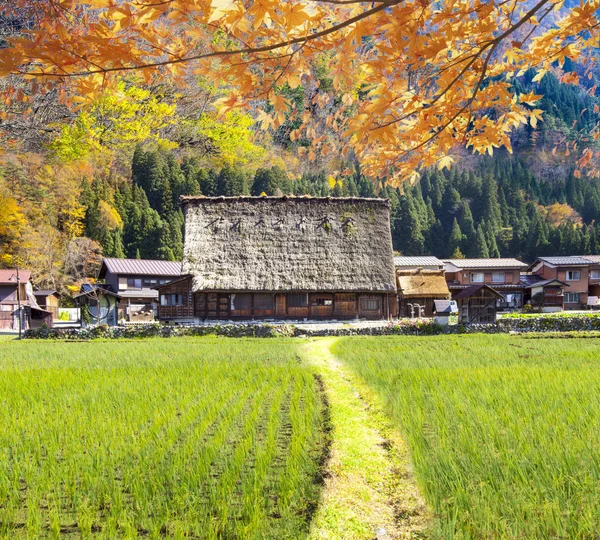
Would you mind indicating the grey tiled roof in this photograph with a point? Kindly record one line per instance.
(593, 258)
(570, 260)
(143, 267)
(418, 261)
(486, 263)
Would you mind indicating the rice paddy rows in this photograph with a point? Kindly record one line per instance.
(503, 430)
(195, 438)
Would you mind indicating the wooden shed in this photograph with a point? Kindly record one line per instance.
(283, 258)
(417, 291)
(477, 304)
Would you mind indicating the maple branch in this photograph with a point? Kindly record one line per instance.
(249, 50)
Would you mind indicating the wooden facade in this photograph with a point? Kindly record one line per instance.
(477, 305)
(178, 303)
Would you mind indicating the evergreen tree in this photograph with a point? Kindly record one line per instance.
(456, 238)
(481, 248)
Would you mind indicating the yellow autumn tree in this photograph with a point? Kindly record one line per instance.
(414, 78)
(12, 226)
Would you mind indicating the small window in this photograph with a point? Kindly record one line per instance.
(171, 300)
(498, 277)
(134, 283)
(595, 274)
(573, 275)
(297, 300)
(370, 304)
(572, 298)
(149, 282)
(241, 302)
(263, 302)
(323, 302)
(477, 277)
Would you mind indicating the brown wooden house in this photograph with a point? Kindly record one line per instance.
(18, 305)
(477, 304)
(283, 258)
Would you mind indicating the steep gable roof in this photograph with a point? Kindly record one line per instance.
(422, 284)
(288, 244)
(9, 276)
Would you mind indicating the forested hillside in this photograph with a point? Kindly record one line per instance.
(100, 190)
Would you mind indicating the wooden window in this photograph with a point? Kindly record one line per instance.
(134, 283)
(370, 304)
(263, 302)
(595, 274)
(477, 277)
(241, 302)
(322, 302)
(297, 300)
(573, 275)
(171, 299)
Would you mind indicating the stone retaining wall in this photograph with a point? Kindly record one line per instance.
(408, 328)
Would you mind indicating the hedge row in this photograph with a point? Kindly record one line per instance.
(420, 327)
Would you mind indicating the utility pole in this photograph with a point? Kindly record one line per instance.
(19, 302)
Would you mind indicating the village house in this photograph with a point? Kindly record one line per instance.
(504, 275)
(16, 290)
(580, 273)
(283, 258)
(134, 282)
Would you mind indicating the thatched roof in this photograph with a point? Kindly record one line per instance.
(288, 244)
(422, 284)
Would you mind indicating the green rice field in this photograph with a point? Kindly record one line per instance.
(504, 432)
(186, 438)
(257, 438)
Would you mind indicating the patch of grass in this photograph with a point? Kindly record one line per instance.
(188, 437)
(503, 430)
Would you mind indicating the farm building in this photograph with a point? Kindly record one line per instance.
(417, 290)
(18, 302)
(284, 258)
(48, 300)
(97, 304)
(477, 304)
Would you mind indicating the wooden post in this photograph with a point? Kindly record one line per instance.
(19, 303)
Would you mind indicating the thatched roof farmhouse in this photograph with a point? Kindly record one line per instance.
(292, 257)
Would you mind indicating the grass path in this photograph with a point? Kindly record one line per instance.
(370, 491)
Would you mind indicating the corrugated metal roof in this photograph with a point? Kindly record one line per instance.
(570, 260)
(145, 267)
(593, 258)
(486, 263)
(418, 261)
(10, 276)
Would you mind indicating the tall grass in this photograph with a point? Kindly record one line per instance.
(190, 437)
(504, 431)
